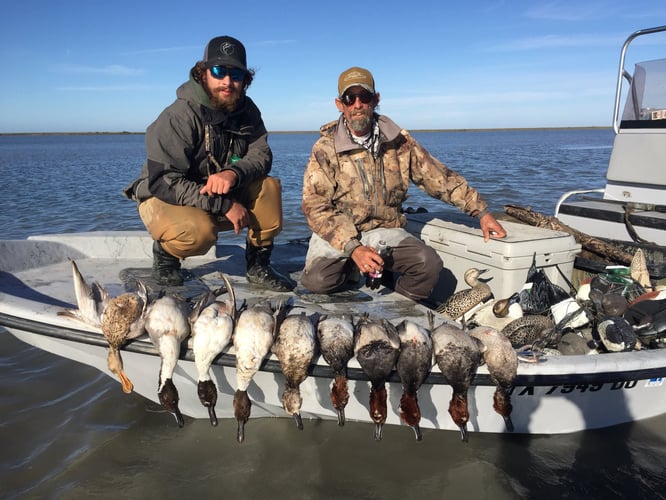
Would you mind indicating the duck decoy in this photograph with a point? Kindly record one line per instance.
(458, 355)
(376, 347)
(463, 302)
(120, 318)
(212, 324)
(167, 324)
(527, 329)
(336, 343)
(497, 313)
(295, 347)
(253, 339)
(502, 362)
(413, 365)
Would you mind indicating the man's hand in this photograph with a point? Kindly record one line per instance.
(367, 259)
(491, 228)
(220, 183)
(238, 216)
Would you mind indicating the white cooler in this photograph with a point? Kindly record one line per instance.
(507, 259)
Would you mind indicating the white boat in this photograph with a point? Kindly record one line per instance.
(557, 395)
(631, 209)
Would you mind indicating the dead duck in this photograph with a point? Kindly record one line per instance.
(295, 347)
(253, 339)
(168, 326)
(502, 362)
(458, 355)
(413, 365)
(463, 302)
(497, 313)
(212, 324)
(376, 347)
(119, 318)
(336, 343)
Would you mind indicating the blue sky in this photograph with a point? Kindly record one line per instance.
(88, 65)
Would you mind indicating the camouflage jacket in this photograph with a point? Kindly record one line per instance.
(346, 191)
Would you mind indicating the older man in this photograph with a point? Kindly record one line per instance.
(353, 189)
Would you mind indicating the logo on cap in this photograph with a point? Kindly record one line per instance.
(227, 48)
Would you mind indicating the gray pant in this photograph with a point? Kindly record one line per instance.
(328, 270)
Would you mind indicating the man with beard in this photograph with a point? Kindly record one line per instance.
(353, 188)
(207, 169)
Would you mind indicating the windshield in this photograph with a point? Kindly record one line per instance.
(646, 99)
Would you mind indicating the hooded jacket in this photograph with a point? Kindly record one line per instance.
(178, 144)
(347, 191)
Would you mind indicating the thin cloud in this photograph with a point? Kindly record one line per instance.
(104, 88)
(556, 42)
(572, 11)
(110, 70)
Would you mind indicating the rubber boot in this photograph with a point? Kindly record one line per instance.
(166, 267)
(260, 272)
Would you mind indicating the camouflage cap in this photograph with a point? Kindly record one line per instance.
(356, 76)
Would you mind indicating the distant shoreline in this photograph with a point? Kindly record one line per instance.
(316, 131)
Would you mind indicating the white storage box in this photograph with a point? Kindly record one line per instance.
(507, 259)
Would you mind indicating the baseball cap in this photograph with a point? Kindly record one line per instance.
(225, 51)
(356, 76)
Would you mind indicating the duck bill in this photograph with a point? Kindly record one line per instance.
(378, 432)
(508, 423)
(125, 382)
(212, 416)
(341, 417)
(417, 432)
(464, 435)
(240, 432)
(179, 417)
(299, 421)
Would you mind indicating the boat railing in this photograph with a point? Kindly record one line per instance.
(623, 74)
(569, 194)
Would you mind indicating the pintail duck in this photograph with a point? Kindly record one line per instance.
(168, 326)
(376, 347)
(502, 362)
(295, 347)
(212, 324)
(336, 343)
(527, 329)
(497, 313)
(458, 355)
(253, 339)
(120, 318)
(413, 365)
(463, 302)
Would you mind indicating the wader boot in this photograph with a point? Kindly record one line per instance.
(166, 267)
(260, 272)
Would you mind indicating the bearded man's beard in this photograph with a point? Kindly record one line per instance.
(226, 103)
(360, 124)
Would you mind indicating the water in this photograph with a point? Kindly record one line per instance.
(67, 431)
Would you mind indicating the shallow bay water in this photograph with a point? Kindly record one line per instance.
(68, 431)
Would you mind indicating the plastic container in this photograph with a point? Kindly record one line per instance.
(507, 259)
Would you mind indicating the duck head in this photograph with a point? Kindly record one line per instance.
(168, 396)
(115, 364)
(340, 397)
(378, 409)
(291, 402)
(242, 408)
(207, 392)
(410, 413)
(459, 412)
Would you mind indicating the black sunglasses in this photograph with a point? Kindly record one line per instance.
(348, 98)
(221, 72)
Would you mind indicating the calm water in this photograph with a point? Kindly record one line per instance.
(68, 432)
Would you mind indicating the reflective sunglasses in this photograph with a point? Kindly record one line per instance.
(348, 98)
(221, 72)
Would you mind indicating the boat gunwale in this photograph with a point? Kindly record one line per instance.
(317, 370)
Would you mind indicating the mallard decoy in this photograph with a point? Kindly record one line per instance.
(502, 362)
(336, 343)
(458, 355)
(120, 318)
(212, 324)
(376, 347)
(464, 301)
(168, 326)
(295, 347)
(413, 365)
